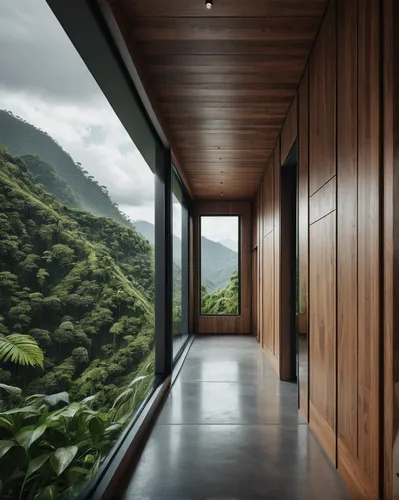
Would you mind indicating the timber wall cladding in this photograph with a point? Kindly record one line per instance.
(322, 235)
(338, 213)
(344, 229)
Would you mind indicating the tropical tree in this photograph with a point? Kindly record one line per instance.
(20, 349)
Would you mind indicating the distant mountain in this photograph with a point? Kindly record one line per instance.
(218, 261)
(218, 264)
(147, 230)
(229, 243)
(22, 138)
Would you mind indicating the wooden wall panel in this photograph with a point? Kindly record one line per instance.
(347, 225)
(340, 235)
(289, 132)
(303, 242)
(260, 260)
(277, 249)
(241, 323)
(268, 197)
(254, 297)
(368, 237)
(322, 103)
(322, 341)
(268, 291)
(391, 248)
(323, 201)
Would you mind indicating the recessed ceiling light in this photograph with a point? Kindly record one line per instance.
(208, 4)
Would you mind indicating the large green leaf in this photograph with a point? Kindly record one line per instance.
(54, 399)
(6, 422)
(32, 410)
(62, 458)
(28, 435)
(14, 391)
(5, 446)
(20, 349)
(36, 463)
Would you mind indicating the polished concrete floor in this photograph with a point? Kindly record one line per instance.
(231, 430)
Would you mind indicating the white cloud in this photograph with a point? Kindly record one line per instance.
(220, 228)
(44, 81)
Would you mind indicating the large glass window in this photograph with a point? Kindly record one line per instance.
(77, 288)
(220, 273)
(180, 266)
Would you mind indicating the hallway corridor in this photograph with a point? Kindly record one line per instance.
(230, 430)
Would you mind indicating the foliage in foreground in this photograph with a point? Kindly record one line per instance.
(51, 448)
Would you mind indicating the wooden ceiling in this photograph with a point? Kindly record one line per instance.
(220, 81)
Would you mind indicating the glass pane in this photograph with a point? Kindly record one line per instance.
(180, 267)
(76, 278)
(220, 278)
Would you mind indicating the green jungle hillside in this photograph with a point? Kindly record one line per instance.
(77, 322)
(223, 301)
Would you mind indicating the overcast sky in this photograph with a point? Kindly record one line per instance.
(44, 81)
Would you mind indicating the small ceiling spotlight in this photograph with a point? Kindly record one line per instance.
(221, 193)
(208, 4)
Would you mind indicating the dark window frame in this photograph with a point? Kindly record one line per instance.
(88, 29)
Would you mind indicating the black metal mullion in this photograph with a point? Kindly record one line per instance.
(163, 263)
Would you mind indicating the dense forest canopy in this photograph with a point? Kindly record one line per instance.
(223, 301)
(77, 295)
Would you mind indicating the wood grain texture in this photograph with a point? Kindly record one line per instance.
(277, 250)
(390, 242)
(274, 362)
(268, 291)
(268, 197)
(303, 240)
(229, 8)
(229, 70)
(368, 237)
(322, 103)
(254, 297)
(357, 482)
(322, 334)
(241, 323)
(347, 125)
(324, 433)
(323, 201)
(289, 132)
(260, 260)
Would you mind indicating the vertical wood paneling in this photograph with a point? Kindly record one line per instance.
(322, 246)
(303, 239)
(368, 236)
(347, 224)
(268, 290)
(289, 132)
(340, 271)
(322, 103)
(268, 197)
(391, 247)
(260, 257)
(254, 302)
(277, 249)
(322, 289)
